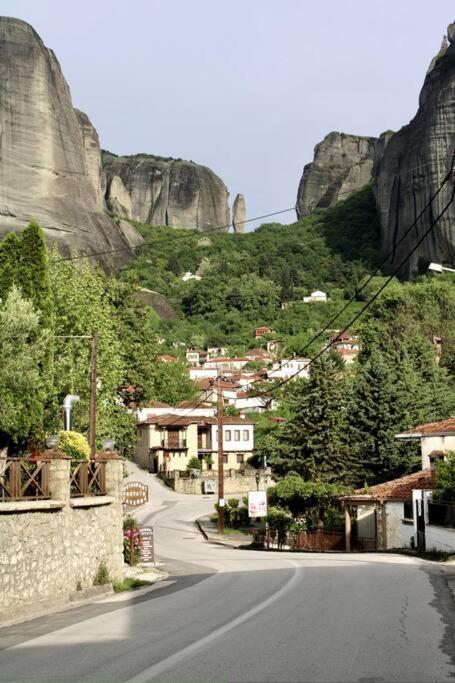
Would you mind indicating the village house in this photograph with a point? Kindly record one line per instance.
(259, 355)
(259, 331)
(346, 346)
(196, 357)
(216, 351)
(167, 358)
(222, 364)
(401, 513)
(289, 367)
(189, 276)
(316, 297)
(167, 442)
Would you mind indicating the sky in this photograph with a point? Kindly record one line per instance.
(246, 87)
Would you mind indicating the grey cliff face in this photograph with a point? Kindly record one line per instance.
(239, 213)
(413, 165)
(161, 191)
(342, 165)
(49, 153)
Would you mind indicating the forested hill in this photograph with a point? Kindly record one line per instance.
(246, 277)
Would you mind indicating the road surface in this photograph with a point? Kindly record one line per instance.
(234, 615)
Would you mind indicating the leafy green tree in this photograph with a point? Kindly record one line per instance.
(22, 349)
(445, 478)
(172, 383)
(302, 497)
(173, 265)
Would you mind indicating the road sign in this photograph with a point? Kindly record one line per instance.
(257, 504)
(148, 545)
(135, 493)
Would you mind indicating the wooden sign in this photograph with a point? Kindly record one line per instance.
(148, 545)
(135, 494)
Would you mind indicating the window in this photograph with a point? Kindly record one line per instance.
(240, 459)
(408, 510)
(227, 435)
(225, 459)
(246, 435)
(236, 434)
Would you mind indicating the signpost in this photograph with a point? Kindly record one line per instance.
(135, 494)
(257, 503)
(148, 545)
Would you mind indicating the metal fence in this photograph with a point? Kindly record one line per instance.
(441, 513)
(316, 541)
(24, 479)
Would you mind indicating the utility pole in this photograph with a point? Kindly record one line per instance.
(93, 382)
(219, 419)
(266, 486)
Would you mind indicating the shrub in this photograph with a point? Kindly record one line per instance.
(233, 503)
(75, 445)
(102, 575)
(445, 478)
(279, 518)
(194, 464)
(132, 541)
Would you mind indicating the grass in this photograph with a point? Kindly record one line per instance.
(129, 584)
(241, 530)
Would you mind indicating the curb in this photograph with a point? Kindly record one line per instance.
(212, 538)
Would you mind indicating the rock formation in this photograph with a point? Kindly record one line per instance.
(166, 192)
(49, 153)
(413, 165)
(342, 165)
(239, 213)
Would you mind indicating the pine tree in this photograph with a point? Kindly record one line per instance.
(314, 441)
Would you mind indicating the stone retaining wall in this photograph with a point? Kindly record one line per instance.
(49, 549)
(233, 482)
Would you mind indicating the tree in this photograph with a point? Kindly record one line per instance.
(10, 254)
(172, 383)
(34, 273)
(314, 441)
(302, 497)
(173, 265)
(445, 478)
(22, 394)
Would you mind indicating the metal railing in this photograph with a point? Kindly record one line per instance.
(88, 478)
(24, 479)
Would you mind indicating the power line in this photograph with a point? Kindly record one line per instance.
(380, 266)
(367, 305)
(191, 232)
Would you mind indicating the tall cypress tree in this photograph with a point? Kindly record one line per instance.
(10, 254)
(34, 271)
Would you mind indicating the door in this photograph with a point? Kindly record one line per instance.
(420, 517)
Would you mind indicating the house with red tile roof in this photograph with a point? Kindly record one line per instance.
(401, 513)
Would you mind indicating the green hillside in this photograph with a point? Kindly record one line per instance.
(245, 277)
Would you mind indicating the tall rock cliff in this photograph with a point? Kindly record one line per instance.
(239, 213)
(342, 165)
(162, 191)
(49, 153)
(413, 166)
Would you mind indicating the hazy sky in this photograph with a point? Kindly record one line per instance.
(246, 87)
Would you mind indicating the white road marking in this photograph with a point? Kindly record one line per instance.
(165, 664)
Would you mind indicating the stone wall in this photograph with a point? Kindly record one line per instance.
(51, 548)
(234, 482)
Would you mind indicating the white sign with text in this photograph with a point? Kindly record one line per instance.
(257, 504)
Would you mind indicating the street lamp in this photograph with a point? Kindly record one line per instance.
(68, 404)
(437, 268)
(257, 478)
(108, 445)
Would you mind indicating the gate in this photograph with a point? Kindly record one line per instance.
(420, 517)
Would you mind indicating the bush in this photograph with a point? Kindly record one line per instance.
(194, 464)
(132, 541)
(445, 478)
(75, 445)
(233, 503)
(279, 519)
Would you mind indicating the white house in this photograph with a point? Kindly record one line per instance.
(221, 364)
(316, 297)
(401, 513)
(189, 276)
(196, 357)
(289, 367)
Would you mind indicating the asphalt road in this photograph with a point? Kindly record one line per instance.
(234, 615)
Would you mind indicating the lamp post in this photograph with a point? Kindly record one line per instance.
(257, 478)
(438, 268)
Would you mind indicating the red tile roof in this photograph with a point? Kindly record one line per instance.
(193, 404)
(169, 419)
(441, 427)
(399, 489)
